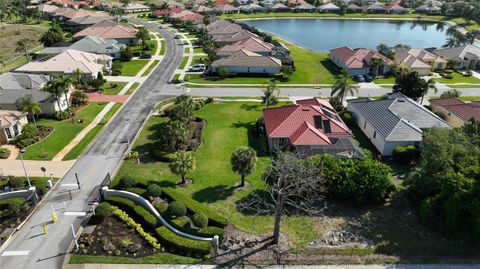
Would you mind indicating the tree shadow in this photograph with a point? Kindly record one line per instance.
(250, 107)
(256, 203)
(331, 67)
(213, 194)
(254, 140)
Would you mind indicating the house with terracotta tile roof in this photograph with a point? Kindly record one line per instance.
(330, 8)
(309, 127)
(251, 44)
(296, 2)
(419, 60)
(377, 7)
(202, 9)
(11, 125)
(226, 9)
(396, 8)
(47, 10)
(67, 62)
(279, 7)
(123, 33)
(359, 61)
(247, 62)
(167, 11)
(394, 121)
(80, 23)
(455, 111)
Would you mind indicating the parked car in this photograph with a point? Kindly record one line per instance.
(196, 68)
(136, 54)
(145, 56)
(368, 78)
(358, 78)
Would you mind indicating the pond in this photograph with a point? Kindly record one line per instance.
(326, 34)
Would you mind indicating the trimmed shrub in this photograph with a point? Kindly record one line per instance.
(163, 156)
(127, 182)
(16, 182)
(184, 246)
(131, 223)
(161, 207)
(4, 153)
(405, 155)
(103, 210)
(132, 208)
(138, 191)
(154, 190)
(177, 209)
(196, 207)
(347, 118)
(148, 218)
(182, 223)
(210, 232)
(200, 220)
(198, 104)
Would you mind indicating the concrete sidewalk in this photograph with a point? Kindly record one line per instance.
(14, 168)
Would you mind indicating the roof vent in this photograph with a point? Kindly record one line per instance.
(317, 120)
(401, 100)
(305, 108)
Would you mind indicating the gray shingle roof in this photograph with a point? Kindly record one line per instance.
(92, 44)
(398, 118)
(16, 85)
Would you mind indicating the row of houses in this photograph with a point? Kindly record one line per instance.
(359, 61)
(312, 126)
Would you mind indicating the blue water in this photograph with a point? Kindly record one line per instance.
(324, 35)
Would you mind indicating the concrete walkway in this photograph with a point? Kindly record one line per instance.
(243, 266)
(190, 56)
(83, 133)
(15, 168)
(125, 79)
(97, 97)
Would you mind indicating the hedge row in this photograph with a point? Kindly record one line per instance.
(138, 210)
(185, 246)
(183, 224)
(196, 207)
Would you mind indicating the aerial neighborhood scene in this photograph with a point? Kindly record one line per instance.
(239, 134)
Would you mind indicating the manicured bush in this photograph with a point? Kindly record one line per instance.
(405, 155)
(182, 223)
(347, 118)
(210, 231)
(125, 204)
(140, 213)
(4, 153)
(198, 104)
(200, 220)
(15, 205)
(16, 182)
(215, 219)
(138, 191)
(209, 100)
(103, 210)
(177, 209)
(127, 182)
(147, 217)
(131, 223)
(154, 190)
(184, 246)
(27, 137)
(163, 156)
(161, 207)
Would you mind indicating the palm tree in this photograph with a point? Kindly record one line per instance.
(28, 105)
(270, 94)
(472, 36)
(183, 163)
(57, 86)
(376, 63)
(21, 46)
(243, 162)
(77, 75)
(430, 84)
(342, 88)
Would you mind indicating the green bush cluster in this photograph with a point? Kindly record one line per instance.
(16, 182)
(131, 223)
(194, 206)
(138, 191)
(27, 137)
(183, 224)
(103, 210)
(177, 209)
(11, 206)
(133, 208)
(4, 153)
(163, 156)
(405, 155)
(198, 104)
(185, 246)
(359, 181)
(200, 220)
(127, 182)
(160, 206)
(154, 190)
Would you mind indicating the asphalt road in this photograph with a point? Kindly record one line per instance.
(31, 248)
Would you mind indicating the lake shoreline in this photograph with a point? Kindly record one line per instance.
(343, 18)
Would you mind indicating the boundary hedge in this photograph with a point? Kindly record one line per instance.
(138, 210)
(185, 246)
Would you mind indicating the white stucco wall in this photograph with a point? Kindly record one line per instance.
(253, 70)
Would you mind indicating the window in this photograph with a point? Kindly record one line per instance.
(15, 130)
(9, 134)
(374, 134)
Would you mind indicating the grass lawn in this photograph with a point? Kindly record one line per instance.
(312, 67)
(198, 50)
(80, 147)
(470, 26)
(113, 88)
(161, 258)
(389, 80)
(183, 63)
(458, 78)
(131, 68)
(187, 50)
(132, 88)
(150, 68)
(198, 60)
(469, 98)
(13, 64)
(64, 131)
(329, 15)
(11, 33)
(150, 51)
(163, 48)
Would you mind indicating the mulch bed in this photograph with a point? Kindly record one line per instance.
(13, 221)
(43, 131)
(107, 238)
